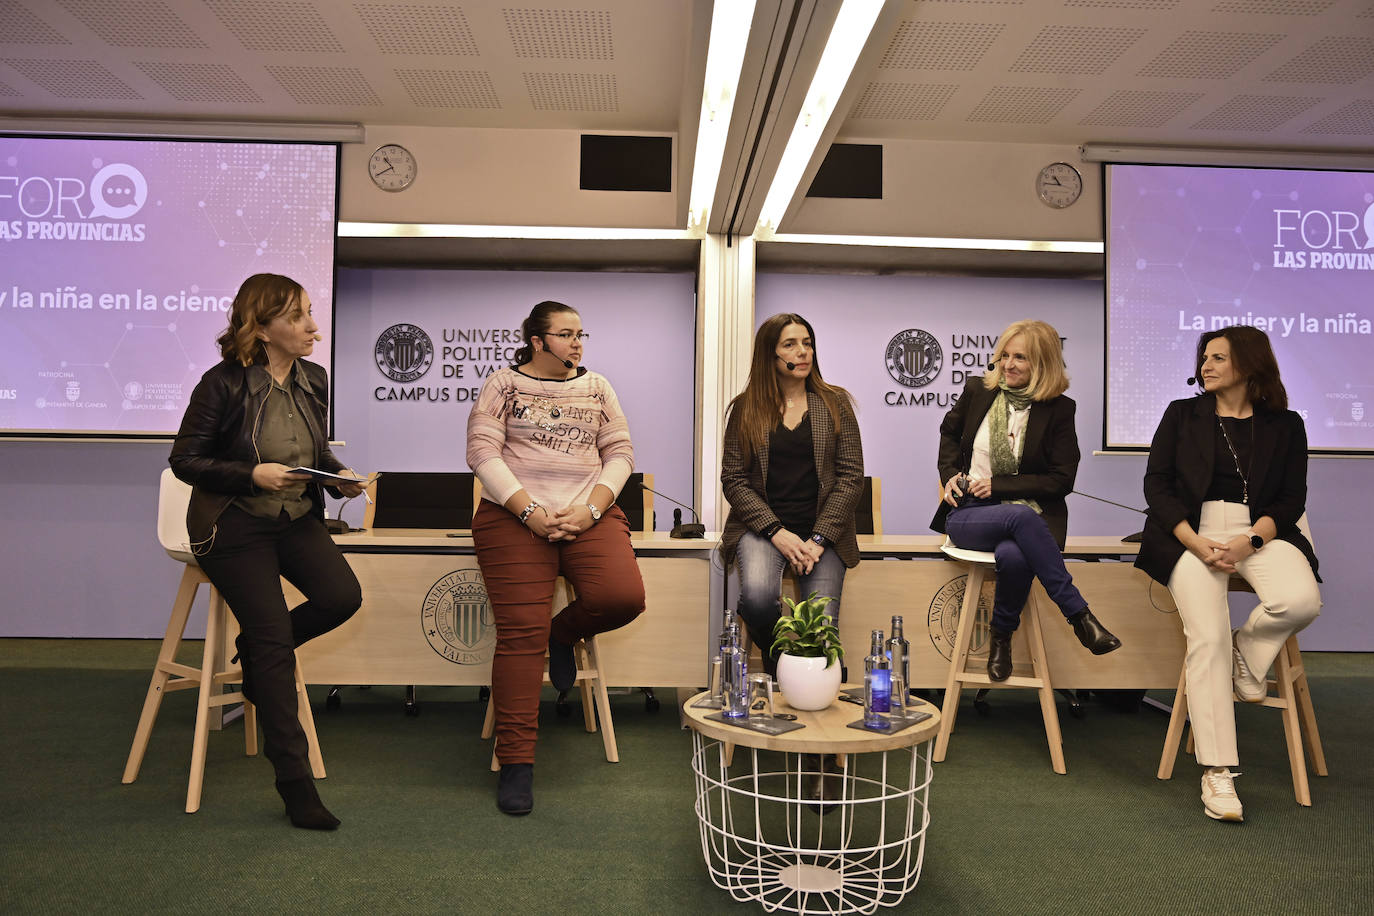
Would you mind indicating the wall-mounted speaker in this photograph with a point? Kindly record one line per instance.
(615, 163)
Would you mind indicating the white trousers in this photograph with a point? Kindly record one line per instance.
(1288, 601)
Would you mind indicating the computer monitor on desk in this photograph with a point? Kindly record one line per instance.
(423, 499)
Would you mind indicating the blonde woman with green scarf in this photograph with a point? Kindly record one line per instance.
(1008, 457)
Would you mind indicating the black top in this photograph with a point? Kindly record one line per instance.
(1227, 484)
(792, 483)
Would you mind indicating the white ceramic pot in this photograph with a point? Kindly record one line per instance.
(806, 683)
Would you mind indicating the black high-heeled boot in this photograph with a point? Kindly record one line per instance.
(999, 656)
(515, 789)
(303, 805)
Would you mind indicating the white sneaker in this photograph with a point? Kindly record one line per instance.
(1248, 687)
(1219, 797)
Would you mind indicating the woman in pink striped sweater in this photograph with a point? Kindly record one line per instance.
(551, 447)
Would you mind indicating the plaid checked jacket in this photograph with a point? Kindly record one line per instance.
(839, 455)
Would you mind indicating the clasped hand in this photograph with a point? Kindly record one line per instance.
(801, 555)
(564, 525)
(1223, 557)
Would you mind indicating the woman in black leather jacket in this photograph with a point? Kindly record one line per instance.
(253, 417)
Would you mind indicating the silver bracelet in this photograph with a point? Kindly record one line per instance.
(524, 516)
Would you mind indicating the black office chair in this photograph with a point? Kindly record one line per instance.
(417, 499)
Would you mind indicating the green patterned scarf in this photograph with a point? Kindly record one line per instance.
(1004, 462)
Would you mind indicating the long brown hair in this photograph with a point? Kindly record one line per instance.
(261, 299)
(1252, 358)
(1045, 352)
(759, 405)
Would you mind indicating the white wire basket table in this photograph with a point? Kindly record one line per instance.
(764, 835)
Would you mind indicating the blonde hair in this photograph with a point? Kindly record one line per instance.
(1046, 353)
(261, 299)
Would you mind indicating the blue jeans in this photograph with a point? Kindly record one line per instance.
(1025, 551)
(760, 568)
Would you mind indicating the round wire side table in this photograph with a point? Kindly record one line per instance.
(768, 835)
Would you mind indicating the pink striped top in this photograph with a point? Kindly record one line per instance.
(557, 439)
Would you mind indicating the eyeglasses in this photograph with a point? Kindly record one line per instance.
(566, 336)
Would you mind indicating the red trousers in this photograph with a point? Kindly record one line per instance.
(520, 570)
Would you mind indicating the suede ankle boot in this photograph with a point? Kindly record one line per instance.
(515, 789)
(303, 805)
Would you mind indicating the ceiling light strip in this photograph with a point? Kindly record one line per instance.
(362, 230)
(847, 39)
(895, 241)
(730, 24)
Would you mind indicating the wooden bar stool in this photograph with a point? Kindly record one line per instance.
(213, 674)
(596, 701)
(1290, 695)
(981, 564)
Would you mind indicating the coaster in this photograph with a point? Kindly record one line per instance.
(758, 724)
(895, 723)
(707, 702)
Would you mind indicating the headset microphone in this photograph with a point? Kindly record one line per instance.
(1192, 380)
(567, 364)
(318, 337)
(790, 365)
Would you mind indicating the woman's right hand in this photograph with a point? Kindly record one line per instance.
(952, 491)
(544, 526)
(274, 477)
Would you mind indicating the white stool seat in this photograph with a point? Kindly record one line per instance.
(968, 556)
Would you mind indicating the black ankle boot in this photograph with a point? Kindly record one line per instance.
(515, 789)
(999, 656)
(303, 805)
(1093, 635)
(562, 665)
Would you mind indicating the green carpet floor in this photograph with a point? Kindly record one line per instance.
(421, 833)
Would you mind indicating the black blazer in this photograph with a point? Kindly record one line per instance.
(1049, 459)
(839, 472)
(1180, 471)
(215, 450)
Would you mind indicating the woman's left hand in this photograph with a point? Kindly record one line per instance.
(570, 521)
(1236, 549)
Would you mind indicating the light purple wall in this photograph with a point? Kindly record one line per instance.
(857, 317)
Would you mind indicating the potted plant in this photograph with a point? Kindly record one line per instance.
(809, 666)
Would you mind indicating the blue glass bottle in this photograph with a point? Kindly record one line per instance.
(877, 684)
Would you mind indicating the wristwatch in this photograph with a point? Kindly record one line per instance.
(1256, 541)
(821, 539)
(596, 513)
(528, 511)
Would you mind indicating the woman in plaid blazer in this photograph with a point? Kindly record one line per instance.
(792, 471)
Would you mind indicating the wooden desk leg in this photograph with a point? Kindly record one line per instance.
(963, 638)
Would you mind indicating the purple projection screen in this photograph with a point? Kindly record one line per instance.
(119, 260)
(1192, 249)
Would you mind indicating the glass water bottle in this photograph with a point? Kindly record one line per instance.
(899, 654)
(877, 684)
(734, 676)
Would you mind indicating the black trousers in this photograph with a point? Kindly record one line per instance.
(245, 562)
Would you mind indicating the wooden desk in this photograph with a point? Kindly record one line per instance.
(425, 617)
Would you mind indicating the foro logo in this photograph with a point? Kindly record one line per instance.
(1318, 230)
(118, 191)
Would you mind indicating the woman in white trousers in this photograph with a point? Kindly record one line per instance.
(1226, 484)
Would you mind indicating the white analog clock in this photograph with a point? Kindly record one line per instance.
(392, 168)
(1058, 185)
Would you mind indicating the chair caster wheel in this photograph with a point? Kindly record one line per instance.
(651, 703)
(562, 706)
(483, 694)
(980, 702)
(332, 700)
(412, 709)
